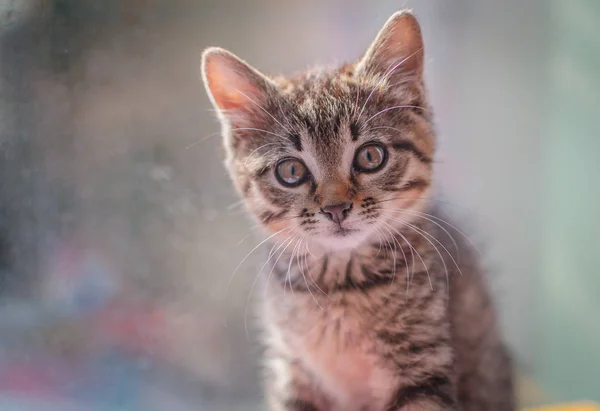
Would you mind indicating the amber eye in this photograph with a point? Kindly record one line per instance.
(291, 172)
(370, 158)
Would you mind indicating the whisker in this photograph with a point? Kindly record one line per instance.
(303, 276)
(412, 260)
(385, 238)
(415, 250)
(269, 114)
(405, 259)
(258, 129)
(394, 262)
(252, 288)
(256, 149)
(356, 102)
(379, 235)
(412, 257)
(310, 276)
(235, 205)
(301, 268)
(383, 127)
(275, 263)
(203, 139)
(385, 76)
(425, 235)
(392, 108)
(428, 198)
(406, 264)
(289, 268)
(297, 263)
(437, 241)
(437, 219)
(419, 214)
(388, 243)
(244, 238)
(310, 252)
(289, 217)
(271, 254)
(453, 227)
(404, 198)
(248, 255)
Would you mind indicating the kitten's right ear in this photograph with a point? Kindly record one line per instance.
(236, 89)
(397, 51)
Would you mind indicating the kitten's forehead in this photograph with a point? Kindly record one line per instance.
(322, 112)
(331, 80)
(321, 102)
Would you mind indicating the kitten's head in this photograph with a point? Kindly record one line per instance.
(329, 156)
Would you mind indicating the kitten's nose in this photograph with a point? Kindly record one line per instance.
(337, 212)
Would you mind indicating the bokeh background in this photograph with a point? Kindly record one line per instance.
(119, 228)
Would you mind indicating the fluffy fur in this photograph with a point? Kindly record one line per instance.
(385, 309)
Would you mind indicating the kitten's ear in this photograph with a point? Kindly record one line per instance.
(397, 50)
(235, 88)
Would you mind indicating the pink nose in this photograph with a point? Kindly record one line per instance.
(337, 212)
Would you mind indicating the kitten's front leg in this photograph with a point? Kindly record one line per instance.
(433, 393)
(423, 360)
(290, 388)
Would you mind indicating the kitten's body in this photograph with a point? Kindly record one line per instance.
(373, 302)
(368, 345)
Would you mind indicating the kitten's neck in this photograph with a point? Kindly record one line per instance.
(376, 261)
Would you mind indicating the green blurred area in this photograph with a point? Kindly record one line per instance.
(568, 363)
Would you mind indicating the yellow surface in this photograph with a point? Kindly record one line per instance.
(570, 407)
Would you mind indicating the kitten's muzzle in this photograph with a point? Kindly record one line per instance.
(337, 212)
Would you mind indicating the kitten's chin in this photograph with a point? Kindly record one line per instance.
(340, 239)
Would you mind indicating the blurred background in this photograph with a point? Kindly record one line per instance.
(119, 228)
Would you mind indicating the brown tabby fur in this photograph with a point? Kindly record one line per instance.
(387, 310)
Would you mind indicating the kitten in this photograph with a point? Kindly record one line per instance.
(368, 306)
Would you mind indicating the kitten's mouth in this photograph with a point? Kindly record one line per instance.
(340, 231)
(339, 237)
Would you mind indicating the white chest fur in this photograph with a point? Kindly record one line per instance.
(335, 344)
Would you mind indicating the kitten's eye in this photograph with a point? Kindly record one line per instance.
(370, 158)
(291, 172)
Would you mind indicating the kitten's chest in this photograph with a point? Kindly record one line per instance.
(336, 345)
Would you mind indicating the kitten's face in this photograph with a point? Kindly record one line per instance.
(330, 156)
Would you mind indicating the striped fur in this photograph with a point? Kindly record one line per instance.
(378, 311)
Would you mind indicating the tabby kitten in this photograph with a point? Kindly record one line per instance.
(368, 305)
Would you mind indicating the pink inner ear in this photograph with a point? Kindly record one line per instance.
(226, 95)
(405, 42)
(398, 43)
(231, 89)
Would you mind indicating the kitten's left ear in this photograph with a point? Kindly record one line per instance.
(237, 90)
(397, 50)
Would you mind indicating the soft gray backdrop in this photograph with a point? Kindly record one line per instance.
(108, 144)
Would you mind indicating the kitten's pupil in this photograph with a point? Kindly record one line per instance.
(370, 158)
(291, 172)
